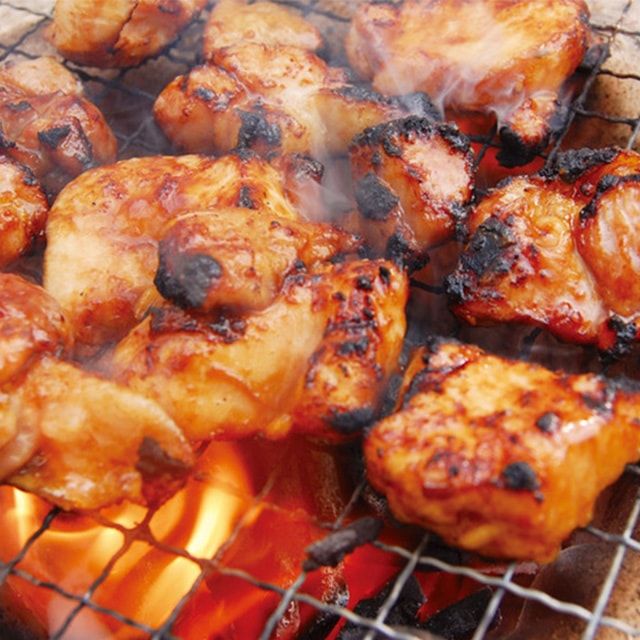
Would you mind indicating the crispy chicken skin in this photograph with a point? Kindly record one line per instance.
(504, 458)
(558, 250)
(104, 228)
(413, 182)
(118, 33)
(264, 87)
(23, 212)
(506, 58)
(316, 361)
(72, 438)
(238, 258)
(48, 126)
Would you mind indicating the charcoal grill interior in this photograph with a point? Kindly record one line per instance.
(607, 112)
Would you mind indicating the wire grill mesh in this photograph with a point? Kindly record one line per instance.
(607, 112)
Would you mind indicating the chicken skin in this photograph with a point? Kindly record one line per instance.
(268, 91)
(503, 458)
(66, 435)
(509, 59)
(238, 258)
(558, 250)
(413, 183)
(123, 33)
(316, 361)
(103, 230)
(47, 125)
(23, 212)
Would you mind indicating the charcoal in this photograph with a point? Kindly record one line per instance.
(331, 550)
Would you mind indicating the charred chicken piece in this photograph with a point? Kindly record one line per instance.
(510, 59)
(23, 212)
(413, 183)
(103, 230)
(72, 438)
(557, 251)
(270, 91)
(504, 458)
(47, 125)
(315, 361)
(104, 33)
(238, 259)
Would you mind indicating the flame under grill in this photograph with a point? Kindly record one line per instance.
(495, 595)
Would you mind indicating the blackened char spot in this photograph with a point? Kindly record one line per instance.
(570, 165)
(520, 476)
(255, 127)
(187, 280)
(352, 421)
(375, 201)
(626, 336)
(53, 137)
(548, 422)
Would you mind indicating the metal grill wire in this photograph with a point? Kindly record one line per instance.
(126, 97)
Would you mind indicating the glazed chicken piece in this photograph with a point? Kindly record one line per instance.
(23, 212)
(124, 33)
(72, 438)
(316, 361)
(559, 251)
(503, 458)
(239, 258)
(47, 125)
(509, 59)
(269, 92)
(104, 228)
(413, 182)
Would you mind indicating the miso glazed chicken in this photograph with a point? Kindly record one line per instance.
(503, 458)
(74, 439)
(104, 33)
(558, 250)
(508, 59)
(103, 231)
(413, 182)
(23, 212)
(47, 125)
(315, 361)
(266, 88)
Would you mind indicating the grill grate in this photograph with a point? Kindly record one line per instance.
(602, 114)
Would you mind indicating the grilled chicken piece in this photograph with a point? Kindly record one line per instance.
(238, 258)
(70, 437)
(104, 228)
(316, 361)
(504, 458)
(558, 250)
(413, 183)
(264, 87)
(234, 21)
(119, 33)
(85, 443)
(507, 58)
(48, 126)
(23, 212)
